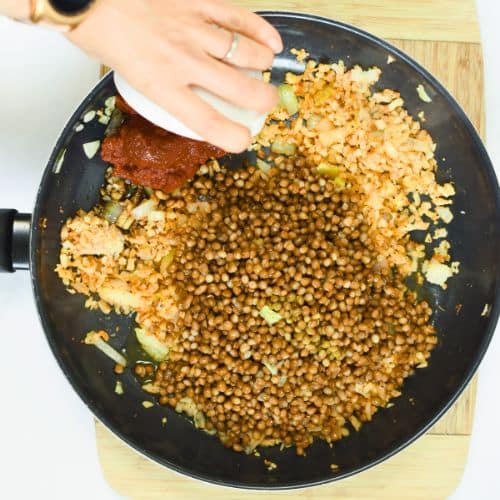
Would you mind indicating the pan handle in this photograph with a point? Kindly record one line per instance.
(15, 231)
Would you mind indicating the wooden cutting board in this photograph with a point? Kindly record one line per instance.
(443, 35)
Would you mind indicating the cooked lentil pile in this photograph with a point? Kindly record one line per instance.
(348, 334)
(273, 298)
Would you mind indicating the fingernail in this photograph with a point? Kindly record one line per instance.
(276, 44)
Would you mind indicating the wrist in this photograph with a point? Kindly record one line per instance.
(17, 9)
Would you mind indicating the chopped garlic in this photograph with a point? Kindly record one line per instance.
(147, 404)
(390, 59)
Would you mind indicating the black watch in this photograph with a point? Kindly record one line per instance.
(63, 15)
(70, 7)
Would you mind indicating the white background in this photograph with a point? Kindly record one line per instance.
(47, 442)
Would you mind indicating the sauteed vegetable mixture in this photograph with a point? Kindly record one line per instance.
(273, 299)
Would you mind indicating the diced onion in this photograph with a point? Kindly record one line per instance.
(422, 94)
(90, 148)
(340, 182)
(89, 116)
(313, 121)
(486, 311)
(355, 422)
(440, 232)
(397, 103)
(115, 121)
(104, 119)
(155, 348)
(437, 273)
(119, 388)
(111, 211)
(323, 95)
(264, 166)
(142, 211)
(59, 162)
(445, 214)
(288, 99)
(283, 148)
(328, 170)
(94, 338)
(151, 388)
(273, 369)
(110, 102)
(271, 317)
(167, 260)
(199, 420)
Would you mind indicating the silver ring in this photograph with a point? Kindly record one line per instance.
(234, 47)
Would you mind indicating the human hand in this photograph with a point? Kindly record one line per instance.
(164, 47)
(15, 9)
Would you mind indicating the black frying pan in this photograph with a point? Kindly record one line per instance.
(463, 338)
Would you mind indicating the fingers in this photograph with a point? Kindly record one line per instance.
(206, 122)
(242, 21)
(233, 86)
(249, 54)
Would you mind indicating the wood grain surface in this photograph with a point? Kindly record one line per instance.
(431, 467)
(447, 20)
(428, 469)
